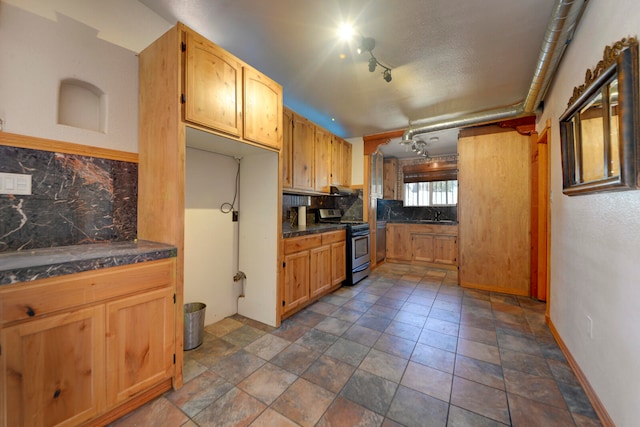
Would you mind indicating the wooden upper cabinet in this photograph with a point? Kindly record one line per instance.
(262, 109)
(213, 86)
(390, 179)
(286, 153)
(323, 161)
(346, 162)
(303, 153)
(336, 161)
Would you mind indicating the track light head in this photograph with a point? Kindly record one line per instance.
(387, 75)
(372, 64)
(366, 45)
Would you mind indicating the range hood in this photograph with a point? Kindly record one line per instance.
(341, 191)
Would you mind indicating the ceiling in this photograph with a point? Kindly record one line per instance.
(448, 58)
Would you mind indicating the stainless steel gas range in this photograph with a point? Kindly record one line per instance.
(358, 247)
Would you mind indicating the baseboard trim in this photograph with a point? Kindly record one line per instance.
(601, 411)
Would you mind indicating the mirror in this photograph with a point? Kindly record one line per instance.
(599, 136)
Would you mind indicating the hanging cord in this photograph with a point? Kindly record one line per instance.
(231, 206)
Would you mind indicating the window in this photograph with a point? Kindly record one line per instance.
(431, 193)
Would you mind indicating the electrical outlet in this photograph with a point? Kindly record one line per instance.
(590, 327)
(234, 216)
(15, 183)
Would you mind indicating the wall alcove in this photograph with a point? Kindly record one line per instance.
(82, 105)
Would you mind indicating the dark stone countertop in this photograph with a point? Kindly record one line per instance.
(289, 231)
(29, 265)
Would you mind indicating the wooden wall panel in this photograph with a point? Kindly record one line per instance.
(494, 211)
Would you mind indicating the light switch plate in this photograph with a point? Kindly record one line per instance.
(15, 183)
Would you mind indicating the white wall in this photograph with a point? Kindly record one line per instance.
(595, 239)
(37, 53)
(210, 247)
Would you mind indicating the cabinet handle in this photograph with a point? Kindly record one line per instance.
(56, 394)
(30, 312)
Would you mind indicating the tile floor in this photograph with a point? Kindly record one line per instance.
(404, 347)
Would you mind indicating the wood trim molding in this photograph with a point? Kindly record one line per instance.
(35, 143)
(371, 142)
(601, 411)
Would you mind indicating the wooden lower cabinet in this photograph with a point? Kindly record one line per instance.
(142, 355)
(429, 244)
(314, 265)
(53, 369)
(105, 339)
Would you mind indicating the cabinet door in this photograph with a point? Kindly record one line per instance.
(140, 345)
(303, 153)
(338, 263)
(296, 280)
(422, 247)
(323, 162)
(389, 173)
(398, 242)
(320, 270)
(213, 86)
(346, 163)
(336, 162)
(53, 369)
(262, 109)
(287, 149)
(445, 249)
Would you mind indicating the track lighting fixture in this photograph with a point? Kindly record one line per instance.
(366, 45)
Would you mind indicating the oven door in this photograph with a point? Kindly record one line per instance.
(360, 250)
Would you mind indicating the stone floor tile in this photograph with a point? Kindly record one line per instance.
(290, 330)
(523, 362)
(441, 304)
(362, 335)
(358, 305)
(223, 327)
(438, 340)
(334, 299)
(267, 383)
(347, 351)
(484, 352)
(344, 412)
(459, 417)
(243, 336)
(238, 366)
(484, 336)
(577, 400)
(382, 311)
(434, 357)
(446, 315)
(404, 330)
(414, 409)
(317, 340)
(428, 380)
(295, 358)
(481, 399)
(304, 402)
(562, 372)
(321, 307)
(271, 418)
(308, 318)
(518, 343)
(384, 365)
(267, 346)
(526, 412)
(397, 346)
(191, 369)
(442, 326)
(333, 326)
(374, 322)
(367, 297)
(544, 390)
(479, 371)
(235, 408)
(371, 391)
(390, 302)
(411, 318)
(157, 412)
(347, 314)
(199, 393)
(329, 373)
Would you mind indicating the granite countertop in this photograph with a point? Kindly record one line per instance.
(295, 231)
(29, 265)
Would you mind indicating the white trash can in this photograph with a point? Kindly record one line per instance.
(193, 324)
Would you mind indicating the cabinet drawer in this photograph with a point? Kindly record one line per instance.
(334, 237)
(28, 300)
(297, 244)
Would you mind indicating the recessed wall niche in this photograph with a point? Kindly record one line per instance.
(82, 105)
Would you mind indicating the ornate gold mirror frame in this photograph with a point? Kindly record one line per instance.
(599, 130)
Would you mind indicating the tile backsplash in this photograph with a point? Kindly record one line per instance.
(75, 199)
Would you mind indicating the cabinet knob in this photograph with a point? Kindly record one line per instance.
(56, 393)
(30, 312)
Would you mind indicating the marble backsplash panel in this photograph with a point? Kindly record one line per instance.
(75, 199)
